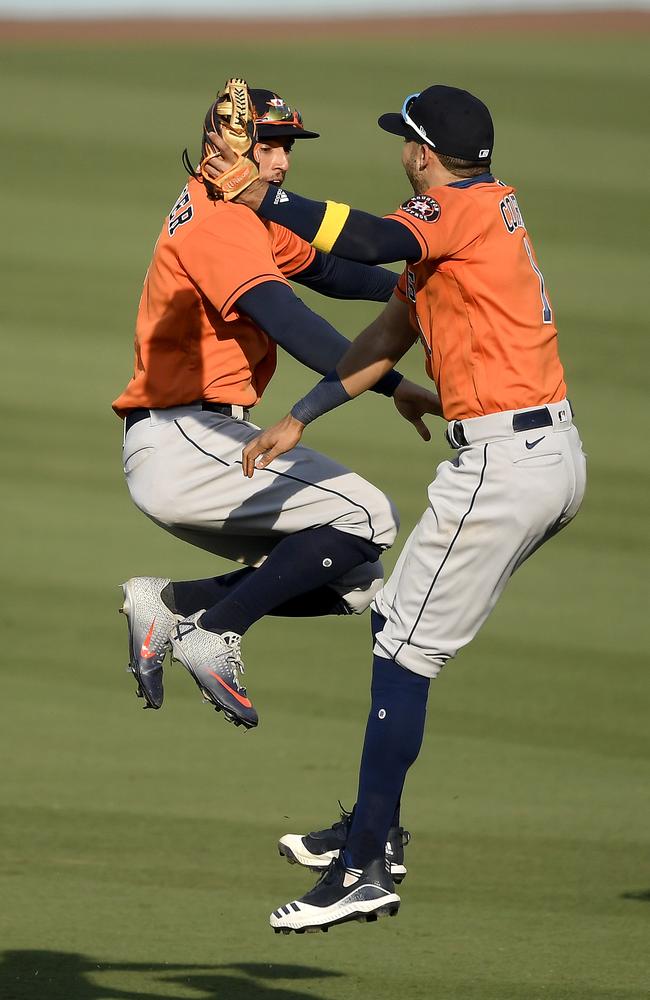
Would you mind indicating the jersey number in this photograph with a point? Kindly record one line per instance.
(547, 312)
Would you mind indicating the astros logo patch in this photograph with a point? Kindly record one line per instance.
(423, 207)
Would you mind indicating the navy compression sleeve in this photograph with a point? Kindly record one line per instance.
(356, 236)
(347, 279)
(326, 395)
(304, 334)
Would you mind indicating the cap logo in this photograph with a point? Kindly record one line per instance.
(422, 207)
(482, 153)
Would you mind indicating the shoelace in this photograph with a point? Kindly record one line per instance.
(345, 819)
(331, 873)
(233, 640)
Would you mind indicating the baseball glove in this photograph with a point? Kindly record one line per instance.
(232, 116)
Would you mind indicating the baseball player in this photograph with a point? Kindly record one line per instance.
(216, 302)
(473, 293)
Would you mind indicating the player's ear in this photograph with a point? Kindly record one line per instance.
(256, 153)
(426, 155)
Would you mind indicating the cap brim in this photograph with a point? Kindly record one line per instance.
(285, 132)
(395, 124)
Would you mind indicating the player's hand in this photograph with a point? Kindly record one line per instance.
(224, 159)
(413, 401)
(274, 441)
(224, 156)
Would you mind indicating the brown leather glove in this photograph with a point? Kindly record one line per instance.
(232, 116)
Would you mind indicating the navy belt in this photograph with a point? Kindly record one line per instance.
(135, 416)
(526, 421)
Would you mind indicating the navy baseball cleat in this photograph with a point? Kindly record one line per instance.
(150, 621)
(341, 894)
(318, 849)
(214, 661)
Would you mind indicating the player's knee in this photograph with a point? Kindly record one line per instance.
(385, 520)
(419, 660)
(359, 587)
(369, 513)
(426, 660)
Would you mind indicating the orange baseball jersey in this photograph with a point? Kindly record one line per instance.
(478, 299)
(191, 342)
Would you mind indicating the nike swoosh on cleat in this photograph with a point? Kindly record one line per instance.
(531, 444)
(147, 653)
(242, 701)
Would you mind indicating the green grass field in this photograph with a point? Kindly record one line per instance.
(137, 858)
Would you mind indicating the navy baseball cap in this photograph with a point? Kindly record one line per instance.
(451, 121)
(274, 119)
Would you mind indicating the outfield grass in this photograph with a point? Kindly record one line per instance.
(137, 858)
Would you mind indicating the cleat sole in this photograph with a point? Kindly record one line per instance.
(207, 696)
(285, 852)
(388, 910)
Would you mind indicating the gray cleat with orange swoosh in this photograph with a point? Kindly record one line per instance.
(150, 621)
(214, 661)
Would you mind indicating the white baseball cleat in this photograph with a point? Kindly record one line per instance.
(150, 621)
(318, 849)
(340, 895)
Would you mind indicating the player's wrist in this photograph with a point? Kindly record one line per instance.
(254, 194)
(388, 384)
(325, 396)
(294, 422)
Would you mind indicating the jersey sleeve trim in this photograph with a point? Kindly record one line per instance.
(404, 221)
(246, 286)
(299, 268)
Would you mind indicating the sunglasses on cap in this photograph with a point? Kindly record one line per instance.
(279, 113)
(408, 102)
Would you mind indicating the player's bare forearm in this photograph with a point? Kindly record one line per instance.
(377, 349)
(369, 358)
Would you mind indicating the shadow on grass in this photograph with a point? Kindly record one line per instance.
(643, 895)
(59, 975)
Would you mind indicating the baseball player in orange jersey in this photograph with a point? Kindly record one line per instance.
(473, 293)
(216, 302)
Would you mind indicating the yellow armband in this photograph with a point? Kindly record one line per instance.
(330, 228)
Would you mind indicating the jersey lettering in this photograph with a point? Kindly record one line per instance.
(423, 337)
(410, 285)
(181, 213)
(547, 312)
(511, 213)
(513, 219)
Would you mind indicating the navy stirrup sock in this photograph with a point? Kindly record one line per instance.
(377, 622)
(298, 564)
(186, 597)
(392, 742)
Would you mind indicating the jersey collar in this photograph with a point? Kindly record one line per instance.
(469, 181)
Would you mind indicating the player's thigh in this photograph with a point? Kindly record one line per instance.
(191, 480)
(487, 511)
